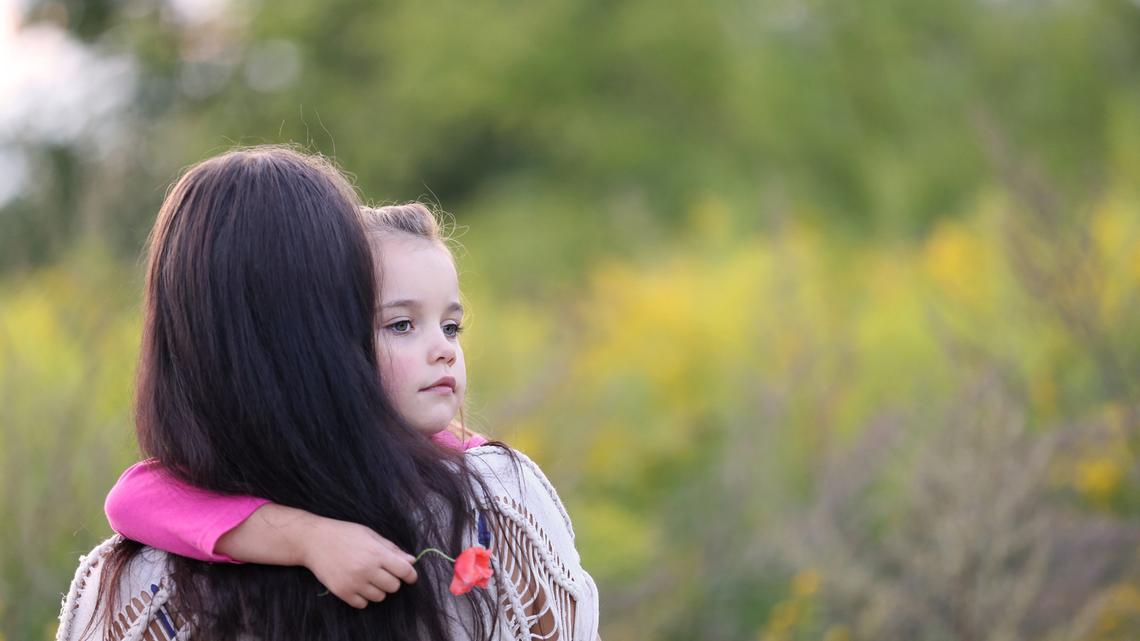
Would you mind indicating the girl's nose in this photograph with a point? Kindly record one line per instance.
(442, 349)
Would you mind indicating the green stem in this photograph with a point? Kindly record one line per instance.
(437, 552)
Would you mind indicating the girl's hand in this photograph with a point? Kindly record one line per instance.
(355, 563)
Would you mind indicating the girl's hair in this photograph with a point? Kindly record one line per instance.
(411, 218)
(258, 375)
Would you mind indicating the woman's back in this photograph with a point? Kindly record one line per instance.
(540, 586)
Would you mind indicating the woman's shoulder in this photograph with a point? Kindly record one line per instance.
(513, 477)
(139, 607)
(498, 461)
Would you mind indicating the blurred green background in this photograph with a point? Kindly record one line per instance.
(823, 316)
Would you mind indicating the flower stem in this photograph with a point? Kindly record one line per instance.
(436, 551)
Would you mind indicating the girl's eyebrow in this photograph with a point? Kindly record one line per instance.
(406, 302)
(415, 304)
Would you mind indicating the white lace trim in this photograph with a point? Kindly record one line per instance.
(541, 594)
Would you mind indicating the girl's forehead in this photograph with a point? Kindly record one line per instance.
(401, 246)
(408, 265)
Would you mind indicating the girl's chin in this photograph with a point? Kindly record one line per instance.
(430, 420)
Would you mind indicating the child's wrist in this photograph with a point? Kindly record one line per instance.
(306, 537)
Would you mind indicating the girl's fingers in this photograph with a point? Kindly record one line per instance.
(393, 547)
(385, 542)
(373, 593)
(400, 553)
(402, 570)
(384, 581)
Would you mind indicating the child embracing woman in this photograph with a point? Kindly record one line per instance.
(424, 376)
(300, 394)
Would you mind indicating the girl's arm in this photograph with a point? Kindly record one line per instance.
(149, 505)
(356, 564)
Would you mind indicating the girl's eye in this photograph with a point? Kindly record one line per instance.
(452, 330)
(401, 326)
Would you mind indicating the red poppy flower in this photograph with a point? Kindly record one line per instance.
(472, 570)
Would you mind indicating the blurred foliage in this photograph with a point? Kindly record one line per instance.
(866, 117)
(68, 342)
(824, 317)
(695, 405)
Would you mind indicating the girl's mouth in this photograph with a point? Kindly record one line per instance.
(445, 385)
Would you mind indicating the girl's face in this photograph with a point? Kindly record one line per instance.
(421, 362)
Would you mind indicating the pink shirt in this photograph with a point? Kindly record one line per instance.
(149, 505)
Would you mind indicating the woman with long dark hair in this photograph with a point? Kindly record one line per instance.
(258, 376)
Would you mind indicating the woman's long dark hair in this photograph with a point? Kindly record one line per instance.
(258, 375)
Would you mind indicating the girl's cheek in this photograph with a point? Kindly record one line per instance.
(461, 389)
(386, 377)
(398, 373)
(390, 370)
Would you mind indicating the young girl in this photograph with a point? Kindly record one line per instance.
(258, 375)
(423, 375)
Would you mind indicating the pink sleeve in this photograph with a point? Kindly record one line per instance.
(475, 441)
(447, 439)
(149, 505)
